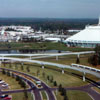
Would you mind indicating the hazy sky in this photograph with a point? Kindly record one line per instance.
(50, 8)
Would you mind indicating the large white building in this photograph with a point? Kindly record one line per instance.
(88, 38)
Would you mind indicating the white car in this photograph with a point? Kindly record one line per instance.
(38, 83)
(4, 85)
(1, 82)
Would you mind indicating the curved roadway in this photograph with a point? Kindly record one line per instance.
(36, 90)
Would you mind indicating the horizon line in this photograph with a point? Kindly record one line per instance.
(44, 18)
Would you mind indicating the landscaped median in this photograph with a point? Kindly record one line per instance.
(44, 95)
(52, 77)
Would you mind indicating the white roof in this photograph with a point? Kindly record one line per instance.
(53, 39)
(89, 34)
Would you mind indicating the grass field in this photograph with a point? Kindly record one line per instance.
(78, 95)
(44, 96)
(66, 80)
(11, 81)
(74, 95)
(21, 96)
(43, 45)
(68, 59)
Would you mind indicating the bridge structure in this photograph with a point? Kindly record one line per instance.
(45, 55)
(81, 68)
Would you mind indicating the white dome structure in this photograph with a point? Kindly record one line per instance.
(89, 37)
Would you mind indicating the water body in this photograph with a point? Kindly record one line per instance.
(30, 51)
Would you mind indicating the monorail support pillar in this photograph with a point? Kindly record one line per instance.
(2, 58)
(78, 56)
(84, 76)
(42, 66)
(56, 57)
(30, 58)
(62, 71)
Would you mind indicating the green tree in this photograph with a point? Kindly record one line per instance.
(22, 68)
(55, 83)
(43, 74)
(23, 84)
(60, 88)
(48, 77)
(63, 92)
(65, 97)
(8, 73)
(77, 60)
(28, 69)
(38, 72)
(12, 75)
(93, 60)
(26, 94)
(10, 65)
(3, 71)
(16, 66)
(51, 79)
(17, 78)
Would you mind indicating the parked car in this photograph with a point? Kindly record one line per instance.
(3, 96)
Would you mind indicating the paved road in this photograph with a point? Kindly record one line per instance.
(36, 90)
(87, 88)
(15, 91)
(33, 88)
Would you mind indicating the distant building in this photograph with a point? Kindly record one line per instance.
(88, 38)
(73, 30)
(53, 39)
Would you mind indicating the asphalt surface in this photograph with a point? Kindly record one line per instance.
(87, 88)
(36, 91)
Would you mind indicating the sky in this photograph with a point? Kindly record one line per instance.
(50, 8)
